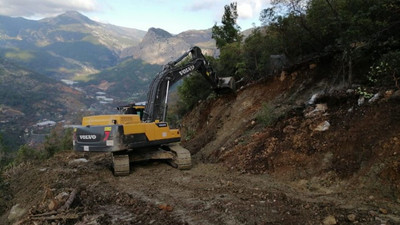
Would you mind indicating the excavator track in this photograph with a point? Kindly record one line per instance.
(182, 159)
(121, 165)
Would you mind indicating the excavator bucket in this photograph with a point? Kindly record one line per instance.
(226, 85)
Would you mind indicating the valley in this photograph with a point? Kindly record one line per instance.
(87, 57)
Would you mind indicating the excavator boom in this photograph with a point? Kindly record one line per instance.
(157, 97)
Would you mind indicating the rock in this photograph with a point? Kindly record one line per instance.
(53, 205)
(361, 101)
(321, 107)
(166, 207)
(383, 211)
(395, 95)
(313, 66)
(324, 126)
(351, 217)
(294, 75)
(372, 213)
(313, 98)
(283, 76)
(388, 94)
(289, 129)
(329, 220)
(374, 98)
(318, 110)
(77, 161)
(16, 213)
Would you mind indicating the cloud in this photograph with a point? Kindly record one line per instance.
(247, 9)
(40, 8)
(204, 5)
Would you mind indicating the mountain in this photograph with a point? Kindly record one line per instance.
(28, 97)
(159, 47)
(73, 46)
(64, 46)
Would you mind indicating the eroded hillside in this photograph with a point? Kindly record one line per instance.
(299, 130)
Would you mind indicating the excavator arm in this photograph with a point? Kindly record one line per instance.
(157, 97)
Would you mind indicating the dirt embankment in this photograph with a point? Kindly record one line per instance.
(332, 142)
(263, 156)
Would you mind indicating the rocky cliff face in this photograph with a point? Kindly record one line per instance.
(159, 47)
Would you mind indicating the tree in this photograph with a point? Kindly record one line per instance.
(230, 62)
(59, 139)
(257, 50)
(193, 89)
(355, 34)
(229, 32)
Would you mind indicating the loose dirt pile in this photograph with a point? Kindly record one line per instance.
(70, 189)
(156, 193)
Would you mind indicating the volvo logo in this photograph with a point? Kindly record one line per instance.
(186, 70)
(87, 137)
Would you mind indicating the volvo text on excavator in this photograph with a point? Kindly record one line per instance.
(141, 132)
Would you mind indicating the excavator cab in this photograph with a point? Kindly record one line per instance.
(130, 109)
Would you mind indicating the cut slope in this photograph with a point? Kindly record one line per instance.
(328, 146)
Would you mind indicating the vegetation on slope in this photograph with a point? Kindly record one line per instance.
(357, 41)
(28, 97)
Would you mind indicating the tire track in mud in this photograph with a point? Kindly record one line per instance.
(211, 194)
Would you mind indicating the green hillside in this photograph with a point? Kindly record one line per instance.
(42, 62)
(97, 56)
(27, 97)
(66, 45)
(128, 80)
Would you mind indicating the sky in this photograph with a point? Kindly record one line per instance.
(173, 16)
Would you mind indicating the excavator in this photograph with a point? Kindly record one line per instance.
(140, 131)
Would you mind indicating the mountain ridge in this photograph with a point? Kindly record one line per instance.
(79, 46)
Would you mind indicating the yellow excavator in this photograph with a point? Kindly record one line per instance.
(140, 132)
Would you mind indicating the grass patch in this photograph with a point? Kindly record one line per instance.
(19, 55)
(267, 115)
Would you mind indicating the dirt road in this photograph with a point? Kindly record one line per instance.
(155, 193)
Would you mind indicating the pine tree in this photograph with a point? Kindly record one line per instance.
(229, 32)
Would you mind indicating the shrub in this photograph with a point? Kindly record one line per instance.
(26, 153)
(266, 116)
(59, 140)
